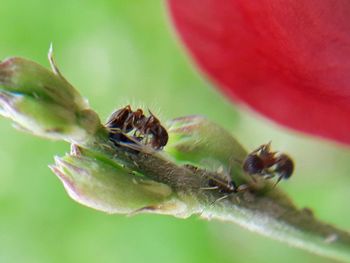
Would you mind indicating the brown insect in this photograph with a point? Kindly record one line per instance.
(268, 164)
(145, 129)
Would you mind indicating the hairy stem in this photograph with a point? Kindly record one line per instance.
(128, 178)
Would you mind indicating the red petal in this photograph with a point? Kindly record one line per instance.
(289, 60)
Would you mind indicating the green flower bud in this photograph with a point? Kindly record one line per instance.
(104, 185)
(43, 102)
(202, 142)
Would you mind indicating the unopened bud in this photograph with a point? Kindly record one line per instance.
(106, 186)
(43, 102)
(200, 141)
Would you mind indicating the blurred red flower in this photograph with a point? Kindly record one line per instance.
(289, 60)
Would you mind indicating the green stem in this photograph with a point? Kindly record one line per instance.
(130, 178)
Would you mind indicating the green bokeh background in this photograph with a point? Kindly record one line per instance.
(115, 53)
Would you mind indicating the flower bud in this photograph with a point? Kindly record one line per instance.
(104, 185)
(200, 141)
(43, 102)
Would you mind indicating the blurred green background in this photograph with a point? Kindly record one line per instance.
(115, 53)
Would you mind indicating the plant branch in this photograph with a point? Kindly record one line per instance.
(130, 178)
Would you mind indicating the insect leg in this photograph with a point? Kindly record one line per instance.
(278, 180)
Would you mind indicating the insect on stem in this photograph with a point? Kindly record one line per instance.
(145, 130)
(267, 164)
